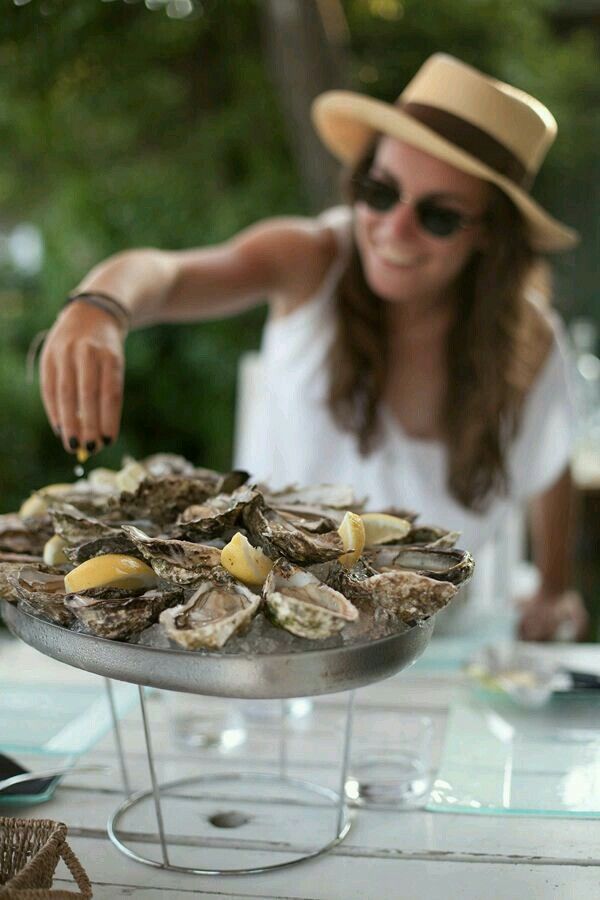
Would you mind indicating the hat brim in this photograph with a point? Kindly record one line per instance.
(346, 122)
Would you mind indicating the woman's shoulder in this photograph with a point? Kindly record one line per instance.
(311, 249)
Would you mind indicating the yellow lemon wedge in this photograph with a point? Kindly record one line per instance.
(352, 533)
(110, 570)
(54, 551)
(245, 562)
(82, 455)
(381, 528)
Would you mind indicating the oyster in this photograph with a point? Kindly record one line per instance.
(181, 562)
(219, 608)
(335, 496)
(280, 535)
(433, 536)
(26, 536)
(77, 527)
(162, 499)
(10, 564)
(397, 594)
(303, 605)
(41, 589)
(455, 566)
(217, 514)
(119, 613)
(117, 542)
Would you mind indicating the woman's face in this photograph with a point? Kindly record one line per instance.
(402, 261)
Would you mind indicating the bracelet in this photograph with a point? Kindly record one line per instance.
(103, 301)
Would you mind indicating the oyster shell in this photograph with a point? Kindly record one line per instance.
(119, 542)
(118, 614)
(217, 609)
(455, 566)
(180, 562)
(303, 605)
(10, 564)
(78, 528)
(280, 535)
(41, 589)
(397, 594)
(433, 536)
(162, 499)
(217, 514)
(335, 496)
(26, 536)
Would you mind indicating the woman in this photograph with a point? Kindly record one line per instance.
(402, 354)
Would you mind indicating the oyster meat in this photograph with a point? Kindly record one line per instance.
(41, 590)
(217, 609)
(455, 566)
(181, 562)
(119, 613)
(303, 605)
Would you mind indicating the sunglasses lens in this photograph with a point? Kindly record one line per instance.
(376, 194)
(439, 221)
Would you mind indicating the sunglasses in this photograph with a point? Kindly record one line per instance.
(436, 220)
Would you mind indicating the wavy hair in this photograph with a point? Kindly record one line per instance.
(489, 351)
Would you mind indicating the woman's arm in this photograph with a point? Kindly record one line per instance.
(554, 605)
(82, 365)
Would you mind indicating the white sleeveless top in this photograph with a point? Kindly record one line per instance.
(289, 435)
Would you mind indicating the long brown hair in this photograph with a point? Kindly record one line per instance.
(490, 364)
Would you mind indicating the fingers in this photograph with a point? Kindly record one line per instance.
(111, 396)
(66, 395)
(88, 399)
(48, 387)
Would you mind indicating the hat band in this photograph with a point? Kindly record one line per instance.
(473, 139)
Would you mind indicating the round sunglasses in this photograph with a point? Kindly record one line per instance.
(436, 220)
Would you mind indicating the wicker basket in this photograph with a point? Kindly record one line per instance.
(29, 853)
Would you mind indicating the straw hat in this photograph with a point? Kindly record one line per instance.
(454, 112)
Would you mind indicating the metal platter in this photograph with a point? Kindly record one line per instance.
(266, 676)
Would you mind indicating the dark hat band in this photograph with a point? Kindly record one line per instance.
(472, 139)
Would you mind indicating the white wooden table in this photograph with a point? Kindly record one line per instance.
(388, 854)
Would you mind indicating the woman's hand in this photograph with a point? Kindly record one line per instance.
(82, 373)
(546, 617)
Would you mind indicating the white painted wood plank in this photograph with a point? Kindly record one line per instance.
(337, 878)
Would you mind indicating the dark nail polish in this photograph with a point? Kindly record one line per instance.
(90, 446)
(73, 443)
(106, 440)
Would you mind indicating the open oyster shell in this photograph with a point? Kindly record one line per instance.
(118, 614)
(10, 564)
(455, 566)
(119, 542)
(280, 535)
(217, 514)
(41, 589)
(303, 605)
(77, 527)
(219, 608)
(335, 496)
(181, 562)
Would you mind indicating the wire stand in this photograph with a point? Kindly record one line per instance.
(336, 799)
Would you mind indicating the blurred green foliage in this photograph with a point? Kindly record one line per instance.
(122, 127)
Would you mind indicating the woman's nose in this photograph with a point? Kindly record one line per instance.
(402, 221)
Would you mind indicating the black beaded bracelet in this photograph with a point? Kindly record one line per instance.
(106, 302)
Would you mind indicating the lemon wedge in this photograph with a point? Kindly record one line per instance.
(82, 455)
(352, 533)
(54, 548)
(110, 570)
(246, 563)
(381, 528)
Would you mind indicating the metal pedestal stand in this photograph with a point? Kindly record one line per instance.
(336, 799)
